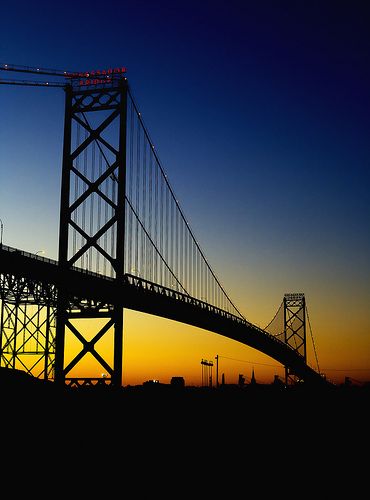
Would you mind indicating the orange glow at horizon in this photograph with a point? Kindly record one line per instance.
(157, 348)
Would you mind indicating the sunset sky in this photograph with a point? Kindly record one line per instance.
(260, 114)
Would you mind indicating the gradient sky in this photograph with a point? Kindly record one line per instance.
(260, 114)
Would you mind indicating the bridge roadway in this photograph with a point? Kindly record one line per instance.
(141, 295)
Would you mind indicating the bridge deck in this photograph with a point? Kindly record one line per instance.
(141, 295)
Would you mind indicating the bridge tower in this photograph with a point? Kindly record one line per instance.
(89, 333)
(295, 328)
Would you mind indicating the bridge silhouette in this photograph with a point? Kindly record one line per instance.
(124, 242)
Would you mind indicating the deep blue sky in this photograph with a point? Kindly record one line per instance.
(260, 113)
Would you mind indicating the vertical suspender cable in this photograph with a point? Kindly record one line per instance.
(83, 223)
(144, 221)
(99, 224)
(92, 179)
(137, 163)
(150, 247)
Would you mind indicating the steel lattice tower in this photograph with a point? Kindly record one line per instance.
(27, 325)
(92, 225)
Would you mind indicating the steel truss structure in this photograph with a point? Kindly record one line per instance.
(28, 325)
(295, 329)
(93, 175)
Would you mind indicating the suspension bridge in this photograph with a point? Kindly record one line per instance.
(124, 242)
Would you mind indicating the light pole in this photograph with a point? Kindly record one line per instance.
(1, 232)
(216, 357)
(207, 372)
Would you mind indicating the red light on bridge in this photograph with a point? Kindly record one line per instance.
(94, 81)
(108, 73)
